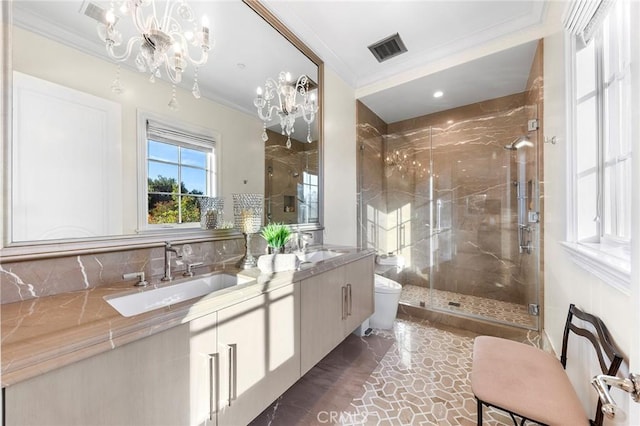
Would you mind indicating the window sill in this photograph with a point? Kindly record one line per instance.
(609, 264)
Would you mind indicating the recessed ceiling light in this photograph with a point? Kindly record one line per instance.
(438, 94)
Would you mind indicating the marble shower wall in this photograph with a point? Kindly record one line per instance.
(463, 222)
(372, 203)
(284, 169)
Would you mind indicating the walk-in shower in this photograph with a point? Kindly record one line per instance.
(466, 220)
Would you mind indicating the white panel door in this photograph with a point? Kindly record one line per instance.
(66, 163)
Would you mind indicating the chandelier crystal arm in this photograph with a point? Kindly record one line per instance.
(168, 14)
(269, 115)
(138, 19)
(126, 53)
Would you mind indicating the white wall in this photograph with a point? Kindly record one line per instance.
(340, 202)
(565, 282)
(242, 149)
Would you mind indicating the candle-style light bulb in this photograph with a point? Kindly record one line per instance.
(259, 91)
(205, 32)
(110, 17)
(288, 77)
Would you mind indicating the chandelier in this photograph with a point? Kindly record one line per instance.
(167, 33)
(287, 108)
(401, 162)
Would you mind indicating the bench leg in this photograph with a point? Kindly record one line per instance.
(479, 412)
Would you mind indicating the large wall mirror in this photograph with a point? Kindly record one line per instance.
(83, 192)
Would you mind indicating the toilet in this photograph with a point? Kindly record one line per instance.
(387, 297)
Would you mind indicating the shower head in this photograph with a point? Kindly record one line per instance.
(518, 143)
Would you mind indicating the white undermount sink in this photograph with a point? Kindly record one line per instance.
(131, 304)
(318, 256)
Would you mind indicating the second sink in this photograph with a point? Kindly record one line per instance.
(318, 256)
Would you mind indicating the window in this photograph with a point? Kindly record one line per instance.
(601, 109)
(308, 195)
(180, 169)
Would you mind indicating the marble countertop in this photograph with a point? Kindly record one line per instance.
(41, 334)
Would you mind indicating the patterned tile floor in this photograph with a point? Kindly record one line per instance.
(511, 313)
(421, 377)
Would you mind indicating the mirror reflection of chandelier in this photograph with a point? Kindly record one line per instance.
(402, 162)
(287, 108)
(167, 32)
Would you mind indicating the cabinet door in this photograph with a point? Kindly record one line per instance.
(204, 370)
(359, 282)
(323, 311)
(258, 342)
(142, 383)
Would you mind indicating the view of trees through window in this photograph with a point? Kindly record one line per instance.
(167, 204)
(170, 202)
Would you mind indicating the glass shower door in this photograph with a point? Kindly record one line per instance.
(484, 239)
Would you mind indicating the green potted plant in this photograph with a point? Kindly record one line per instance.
(276, 235)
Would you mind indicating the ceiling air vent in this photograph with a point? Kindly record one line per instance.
(388, 48)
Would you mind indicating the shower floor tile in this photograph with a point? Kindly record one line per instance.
(491, 309)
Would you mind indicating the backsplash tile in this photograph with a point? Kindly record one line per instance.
(40, 278)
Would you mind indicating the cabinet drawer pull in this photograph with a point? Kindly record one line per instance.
(349, 300)
(344, 302)
(232, 371)
(213, 384)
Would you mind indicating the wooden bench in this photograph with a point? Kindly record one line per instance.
(530, 383)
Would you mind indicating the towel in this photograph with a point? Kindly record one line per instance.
(270, 263)
(390, 260)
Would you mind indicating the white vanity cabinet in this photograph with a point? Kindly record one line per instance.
(142, 383)
(360, 292)
(259, 346)
(333, 304)
(223, 368)
(204, 370)
(243, 357)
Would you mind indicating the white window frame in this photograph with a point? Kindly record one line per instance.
(142, 166)
(305, 208)
(607, 258)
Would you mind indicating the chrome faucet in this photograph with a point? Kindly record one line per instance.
(167, 260)
(303, 240)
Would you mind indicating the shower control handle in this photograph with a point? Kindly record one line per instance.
(526, 248)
